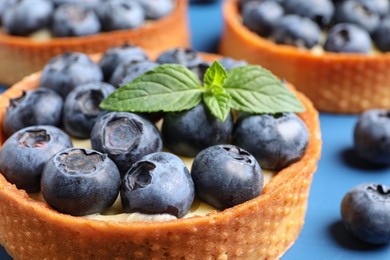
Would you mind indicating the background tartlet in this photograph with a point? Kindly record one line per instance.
(334, 82)
(262, 228)
(21, 56)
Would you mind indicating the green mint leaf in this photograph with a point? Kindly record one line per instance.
(168, 87)
(256, 90)
(218, 102)
(214, 76)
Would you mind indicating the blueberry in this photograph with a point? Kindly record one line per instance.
(66, 71)
(117, 55)
(297, 31)
(365, 211)
(382, 35)
(25, 153)
(201, 68)
(156, 9)
(186, 57)
(226, 175)
(137, 69)
(159, 183)
(381, 7)
(81, 108)
(229, 63)
(261, 17)
(28, 16)
(89, 4)
(188, 132)
(33, 107)
(320, 11)
(372, 136)
(5, 5)
(120, 15)
(348, 38)
(80, 182)
(74, 20)
(276, 141)
(125, 137)
(358, 12)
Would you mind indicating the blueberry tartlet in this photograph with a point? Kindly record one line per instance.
(335, 52)
(32, 32)
(260, 223)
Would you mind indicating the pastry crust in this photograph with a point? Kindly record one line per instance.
(262, 228)
(334, 82)
(21, 56)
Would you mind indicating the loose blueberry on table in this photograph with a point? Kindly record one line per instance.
(372, 136)
(365, 211)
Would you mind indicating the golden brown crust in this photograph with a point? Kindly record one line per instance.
(21, 56)
(263, 228)
(338, 83)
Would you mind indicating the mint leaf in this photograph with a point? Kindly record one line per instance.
(214, 76)
(254, 89)
(216, 97)
(218, 102)
(168, 87)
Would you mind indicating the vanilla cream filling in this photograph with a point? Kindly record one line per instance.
(115, 212)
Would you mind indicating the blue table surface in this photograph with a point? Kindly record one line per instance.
(323, 235)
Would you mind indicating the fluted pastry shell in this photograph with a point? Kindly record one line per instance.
(21, 56)
(334, 82)
(262, 228)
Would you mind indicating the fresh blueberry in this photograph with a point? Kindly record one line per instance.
(358, 12)
(28, 16)
(382, 7)
(159, 183)
(156, 9)
(66, 71)
(320, 11)
(186, 57)
(226, 175)
(6, 5)
(120, 15)
(137, 69)
(80, 182)
(33, 107)
(261, 17)
(125, 137)
(25, 153)
(200, 69)
(382, 35)
(130, 70)
(229, 63)
(117, 55)
(276, 141)
(348, 38)
(188, 132)
(365, 211)
(372, 136)
(243, 3)
(81, 108)
(89, 4)
(74, 20)
(297, 31)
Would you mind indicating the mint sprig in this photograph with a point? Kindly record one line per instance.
(172, 87)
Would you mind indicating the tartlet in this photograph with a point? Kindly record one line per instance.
(262, 228)
(21, 56)
(334, 82)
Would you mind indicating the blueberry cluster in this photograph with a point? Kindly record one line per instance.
(127, 155)
(67, 18)
(347, 26)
